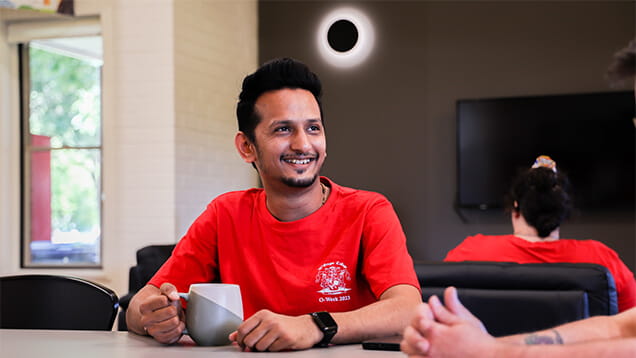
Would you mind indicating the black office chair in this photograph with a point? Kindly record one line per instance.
(149, 260)
(56, 302)
(512, 298)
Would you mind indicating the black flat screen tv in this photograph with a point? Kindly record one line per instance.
(590, 136)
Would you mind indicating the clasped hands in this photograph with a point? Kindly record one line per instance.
(163, 318)
(449, 330)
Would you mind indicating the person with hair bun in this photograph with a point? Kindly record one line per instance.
(450, 330)
(539, 201)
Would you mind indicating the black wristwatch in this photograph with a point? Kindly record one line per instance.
(326, 325)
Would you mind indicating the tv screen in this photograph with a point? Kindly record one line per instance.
(589, 136)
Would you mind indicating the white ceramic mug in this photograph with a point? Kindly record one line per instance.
(214, 311)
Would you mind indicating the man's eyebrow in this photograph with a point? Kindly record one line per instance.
(289, 122)
(280, 122)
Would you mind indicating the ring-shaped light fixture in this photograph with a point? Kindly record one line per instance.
(363, 46)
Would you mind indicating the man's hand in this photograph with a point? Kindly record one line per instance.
(459, 339)
(457, 308)
(161, 315)
(414, 344)
(268, 331)
(439, 331)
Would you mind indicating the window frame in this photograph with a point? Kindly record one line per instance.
(26, 150)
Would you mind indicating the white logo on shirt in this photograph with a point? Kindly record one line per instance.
(333, 277)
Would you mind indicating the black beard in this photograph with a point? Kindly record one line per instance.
(298, 183)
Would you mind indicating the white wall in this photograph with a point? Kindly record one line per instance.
(207, 85)
(171, 76)
(9, 155)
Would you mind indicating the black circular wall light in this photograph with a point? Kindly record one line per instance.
(342, 35)
(345, 37)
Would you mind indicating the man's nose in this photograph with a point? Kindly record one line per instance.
(300, 142)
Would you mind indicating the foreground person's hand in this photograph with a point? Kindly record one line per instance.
(414, 344)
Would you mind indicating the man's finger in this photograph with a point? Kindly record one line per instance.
(168, 336)
(269, 342)
(413, 343)
(245, 329)
(161, 314)
(422, 313)
(451, 299)
(170, 291)
(153, 304)
(441, 313)
(455, 306)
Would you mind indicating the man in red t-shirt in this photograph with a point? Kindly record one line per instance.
(317, 263)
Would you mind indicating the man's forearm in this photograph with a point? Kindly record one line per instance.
(614, 348)
(599, 327)
(386, 317)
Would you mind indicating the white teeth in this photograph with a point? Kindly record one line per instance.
(298, 161)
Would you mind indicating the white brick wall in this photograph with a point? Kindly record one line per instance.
(215, 47)
(138, 136)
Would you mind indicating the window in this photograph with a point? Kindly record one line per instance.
(61, 152)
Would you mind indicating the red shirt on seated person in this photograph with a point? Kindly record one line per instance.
(539, 201)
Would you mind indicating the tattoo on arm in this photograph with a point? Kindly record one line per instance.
(535, 338)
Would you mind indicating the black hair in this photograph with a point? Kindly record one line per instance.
(543, 197)
(623, 66)
(273, 75)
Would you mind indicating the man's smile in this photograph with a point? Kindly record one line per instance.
(299, 161)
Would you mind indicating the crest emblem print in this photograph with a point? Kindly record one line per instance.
(333, 278)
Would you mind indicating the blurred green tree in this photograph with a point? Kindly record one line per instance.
(65, 105)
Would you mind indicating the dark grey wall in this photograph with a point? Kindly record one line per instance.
(391, 120)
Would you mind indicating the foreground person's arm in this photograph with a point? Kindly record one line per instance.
(610, 348)
(156, 312)
(267, 331)
(463, 340)
(622, 325)
(438, 331)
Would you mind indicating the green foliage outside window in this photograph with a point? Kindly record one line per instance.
(65, 106)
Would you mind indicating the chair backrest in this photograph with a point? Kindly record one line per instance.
(149, 260)
(513, 298)
(56, 302)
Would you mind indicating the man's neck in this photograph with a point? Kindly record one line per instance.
(288, 204)
(527, 232)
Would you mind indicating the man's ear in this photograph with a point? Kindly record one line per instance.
(245, 147)
(515, 209)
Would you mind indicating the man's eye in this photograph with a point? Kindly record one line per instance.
(281, 129)
(314, 128)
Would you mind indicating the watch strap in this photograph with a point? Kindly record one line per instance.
(327, 325)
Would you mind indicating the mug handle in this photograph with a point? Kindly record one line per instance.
(185, 296)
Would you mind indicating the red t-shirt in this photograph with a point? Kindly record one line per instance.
(340, 258)
(509, 248)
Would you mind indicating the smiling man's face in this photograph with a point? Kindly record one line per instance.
(290, 138)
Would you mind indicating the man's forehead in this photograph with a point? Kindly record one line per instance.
(284, 102)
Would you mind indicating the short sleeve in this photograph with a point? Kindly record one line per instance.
(195, 258)
(386, 261)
